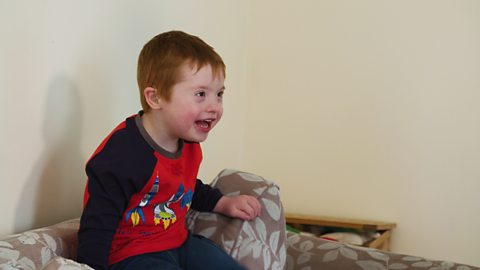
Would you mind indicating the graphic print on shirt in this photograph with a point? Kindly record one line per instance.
(136, 213)
(162, 212)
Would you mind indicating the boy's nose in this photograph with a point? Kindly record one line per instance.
(214, 106)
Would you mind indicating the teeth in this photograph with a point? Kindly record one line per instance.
(205, 123)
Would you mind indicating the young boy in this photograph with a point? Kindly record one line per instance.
(142, 179)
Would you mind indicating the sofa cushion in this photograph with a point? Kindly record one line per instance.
(60, 263)
(35, 248)
(307, 252)
(256, 244)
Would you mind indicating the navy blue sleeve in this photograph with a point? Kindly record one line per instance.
(114, 176)
(99, 218)
(205, 197)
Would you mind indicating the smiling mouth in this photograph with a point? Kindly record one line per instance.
(204, 124)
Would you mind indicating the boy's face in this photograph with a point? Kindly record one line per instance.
(195, 105)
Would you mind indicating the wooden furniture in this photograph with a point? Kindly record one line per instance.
(382, 229)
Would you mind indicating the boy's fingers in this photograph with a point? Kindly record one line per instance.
(249, 211)
(243, 214)
(246, 208)
(255, 205)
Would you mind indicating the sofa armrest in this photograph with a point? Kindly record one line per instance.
(35, 248)
(257, 244)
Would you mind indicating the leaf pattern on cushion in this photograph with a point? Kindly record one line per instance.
(411, 259)
(273, 190)
(224, 173)
(5, 244)
(46, 255)
(306, 245)
(250, 177)
(260, 190)
(34, 249)
(227, 244)
(303, 258)
(257, 244)
(349, 253)
(27, 263)
(16, 265)
(272, 209)
(208, 232)
(395, 266)
(274, 239)
(335, 255)
(283, 257)
(50, 242)
(377, 255)
(293, 239)
(371, 265)
(28, 238)
(331, 255)
(8, 253)
(424, 264)
(329, 245)
(235, 193)
(60, 263)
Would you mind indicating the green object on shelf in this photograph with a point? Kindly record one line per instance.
(292, 229)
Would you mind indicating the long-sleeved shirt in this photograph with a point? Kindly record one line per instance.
(137, 196)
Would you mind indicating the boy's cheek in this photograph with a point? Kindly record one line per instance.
(219, 117)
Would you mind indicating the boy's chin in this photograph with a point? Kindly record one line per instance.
(196, 140)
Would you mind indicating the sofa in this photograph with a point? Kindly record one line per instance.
(259, 244)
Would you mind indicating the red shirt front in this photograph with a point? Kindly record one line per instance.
(155, 217)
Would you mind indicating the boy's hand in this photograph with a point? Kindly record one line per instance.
(242, 206)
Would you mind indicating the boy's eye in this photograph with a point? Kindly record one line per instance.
(200, 94)
(220, 94)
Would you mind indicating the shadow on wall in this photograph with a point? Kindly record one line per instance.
(54, 190)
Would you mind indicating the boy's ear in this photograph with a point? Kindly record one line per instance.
(152, 98)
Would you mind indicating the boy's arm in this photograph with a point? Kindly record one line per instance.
(208, 199)
(205, 197)
(100, 217)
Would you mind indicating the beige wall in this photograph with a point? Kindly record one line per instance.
(361, 109)
(68, 77)
(369, 109)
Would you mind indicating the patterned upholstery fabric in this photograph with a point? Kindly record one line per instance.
(35, 249)
(258, 244)
(61, 263)
(306, 252)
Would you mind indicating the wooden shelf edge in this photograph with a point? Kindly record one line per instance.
(338, 222)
